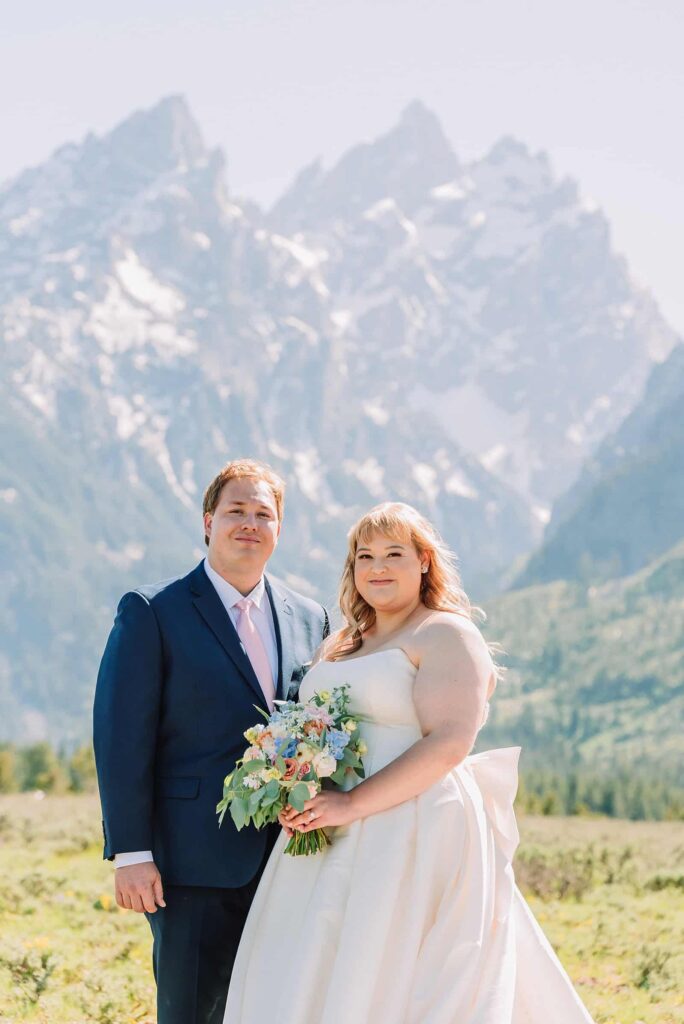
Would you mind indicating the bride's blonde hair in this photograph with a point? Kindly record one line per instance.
(440, 586)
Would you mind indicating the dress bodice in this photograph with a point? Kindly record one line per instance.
(380, 685)
(381, 691)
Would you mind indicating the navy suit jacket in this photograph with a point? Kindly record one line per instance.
(175, 693)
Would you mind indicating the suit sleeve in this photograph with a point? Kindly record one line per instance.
(326, 623)
(125, 724)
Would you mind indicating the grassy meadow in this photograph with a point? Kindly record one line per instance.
(609, 894)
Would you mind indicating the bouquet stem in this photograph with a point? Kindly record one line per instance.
(306, 843)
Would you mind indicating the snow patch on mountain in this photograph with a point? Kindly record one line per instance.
(141, 285)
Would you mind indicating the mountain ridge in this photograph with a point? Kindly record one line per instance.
(154, 325)
(627, 507)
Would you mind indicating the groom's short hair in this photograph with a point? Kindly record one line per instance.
(239, 468)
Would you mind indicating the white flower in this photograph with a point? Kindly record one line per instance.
(324, 764)
(252, 781)
(313, 789)
(252, 754)
(305, 753)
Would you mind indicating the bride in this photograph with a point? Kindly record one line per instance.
(412, 915)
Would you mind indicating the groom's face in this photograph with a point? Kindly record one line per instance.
(243, 529)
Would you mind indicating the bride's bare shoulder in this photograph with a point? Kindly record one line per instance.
(449, 631)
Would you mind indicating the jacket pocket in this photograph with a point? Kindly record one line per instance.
(177, 788)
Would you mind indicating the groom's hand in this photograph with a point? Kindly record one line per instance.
(139, 887)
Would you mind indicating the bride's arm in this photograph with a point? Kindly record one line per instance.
(450, 691)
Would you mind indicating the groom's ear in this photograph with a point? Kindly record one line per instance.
(208, 518)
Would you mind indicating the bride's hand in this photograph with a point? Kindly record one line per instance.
(329, 808)
(284, 821)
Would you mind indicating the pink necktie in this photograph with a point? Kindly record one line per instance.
(254, 647)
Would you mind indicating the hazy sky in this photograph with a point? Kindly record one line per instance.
(598, 84)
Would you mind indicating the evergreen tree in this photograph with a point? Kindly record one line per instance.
(41, 769)
(9, 782)
(82, 774)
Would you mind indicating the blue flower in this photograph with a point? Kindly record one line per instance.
(337, 740)
(286, 747)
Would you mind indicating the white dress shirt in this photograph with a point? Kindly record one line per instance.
(262, 617)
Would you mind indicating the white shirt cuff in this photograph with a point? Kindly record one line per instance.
(124, 860)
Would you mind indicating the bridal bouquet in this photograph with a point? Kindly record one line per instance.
(287, 759)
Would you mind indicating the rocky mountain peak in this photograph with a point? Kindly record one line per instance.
(84, 186)
(402, 164)
(511, 167)
(162, 138)
(418, 124)
(508, 147)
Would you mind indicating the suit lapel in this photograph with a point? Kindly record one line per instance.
(283, 619)
(208, 604)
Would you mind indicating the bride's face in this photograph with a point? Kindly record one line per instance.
(387, 572)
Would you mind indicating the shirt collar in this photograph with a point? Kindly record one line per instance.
(229, 594)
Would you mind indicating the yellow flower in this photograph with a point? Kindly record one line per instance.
(252, 735)
(361, 748)
(349, 725)
(324, 694)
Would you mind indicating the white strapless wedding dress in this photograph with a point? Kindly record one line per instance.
(411, 916)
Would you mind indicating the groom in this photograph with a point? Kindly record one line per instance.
(185, 663)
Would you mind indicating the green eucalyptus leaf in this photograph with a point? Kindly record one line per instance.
(221, 809)
(238, 812)
(299, 794)
(255, 799)
(349, 758)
